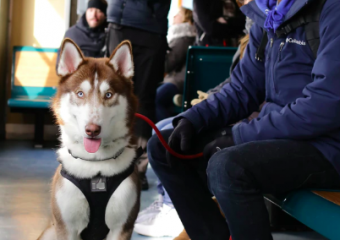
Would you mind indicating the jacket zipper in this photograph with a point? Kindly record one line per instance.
(271, 41)
(282, 44)
(272, 63)
(281, 47)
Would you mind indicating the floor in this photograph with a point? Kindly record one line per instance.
(25, 175)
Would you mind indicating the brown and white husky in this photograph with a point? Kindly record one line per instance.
(94, 107)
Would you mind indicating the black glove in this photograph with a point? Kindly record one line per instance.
(181, 139)
(217, 145)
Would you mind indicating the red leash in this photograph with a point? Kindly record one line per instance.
(165, 144)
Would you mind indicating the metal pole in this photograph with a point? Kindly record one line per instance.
(4, 81)
(67, 15)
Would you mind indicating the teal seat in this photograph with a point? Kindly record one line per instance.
(31, 97)
(206, 67)
(28, 96)
(315, 209)
(33, 84)
(25, 102)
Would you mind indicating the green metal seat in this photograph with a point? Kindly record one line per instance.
(33, 83)
(29, 98)
(23, 96)
(310, 207)
(206, 67)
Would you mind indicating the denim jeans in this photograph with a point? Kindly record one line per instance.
(238, 177)
(163, 125)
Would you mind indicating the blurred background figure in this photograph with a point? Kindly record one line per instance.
(145, 24)
(161, 218)
(180, 36)
(218, 23)
(89, 31)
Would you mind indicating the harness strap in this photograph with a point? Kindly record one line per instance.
(97, 228)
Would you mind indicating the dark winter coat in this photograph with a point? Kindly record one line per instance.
(90, 41)
(148, 15)
(302, 93)
(209, 30)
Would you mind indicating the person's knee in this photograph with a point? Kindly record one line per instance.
(225, 171)
(153, 147)
(161, 96)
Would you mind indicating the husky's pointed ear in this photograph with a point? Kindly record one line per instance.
(121, 59)
(70, 58)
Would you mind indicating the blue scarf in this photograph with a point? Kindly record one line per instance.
(275, 13)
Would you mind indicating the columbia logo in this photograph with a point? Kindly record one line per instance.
(299, 42)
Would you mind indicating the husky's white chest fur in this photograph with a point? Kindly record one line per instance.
(94, 108)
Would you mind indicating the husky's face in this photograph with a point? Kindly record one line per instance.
(95, 105)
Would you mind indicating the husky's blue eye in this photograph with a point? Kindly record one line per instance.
(80, 94)
(108, 95)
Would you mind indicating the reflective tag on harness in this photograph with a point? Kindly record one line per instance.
(98, 184)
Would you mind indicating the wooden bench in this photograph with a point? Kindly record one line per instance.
(33, 84)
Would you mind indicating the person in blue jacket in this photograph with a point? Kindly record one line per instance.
(294, 143)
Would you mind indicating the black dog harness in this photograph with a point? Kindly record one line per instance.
(98, 191)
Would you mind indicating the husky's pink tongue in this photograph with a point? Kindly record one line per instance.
(92, 145)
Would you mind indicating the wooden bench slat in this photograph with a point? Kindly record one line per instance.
(333, 197)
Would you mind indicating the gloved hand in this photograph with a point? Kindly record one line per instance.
(217, 145)
(181, 139)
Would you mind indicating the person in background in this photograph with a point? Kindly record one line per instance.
(218, 23)
(145, 24)
(237, 57)
(161, 218)
(89, 32)
(180, 36)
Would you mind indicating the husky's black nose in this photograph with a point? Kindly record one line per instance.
(92, 130)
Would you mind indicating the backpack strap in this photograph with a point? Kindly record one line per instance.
(308, 17)
(313, 29)
(259, 56)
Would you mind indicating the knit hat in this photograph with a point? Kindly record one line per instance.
(99, 4)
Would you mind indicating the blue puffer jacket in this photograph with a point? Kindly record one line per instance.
(303, 94)
(148, 15)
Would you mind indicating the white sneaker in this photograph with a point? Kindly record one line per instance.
(164, 223)
(153, 209)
